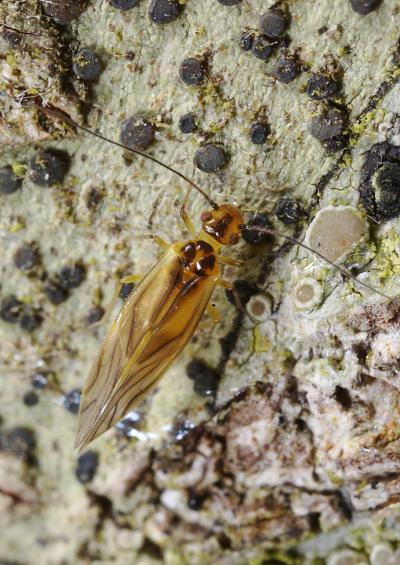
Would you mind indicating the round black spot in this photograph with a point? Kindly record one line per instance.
(380, 181)
(229, 2)
(259, 132)
(364, 7)
(19, 441)
(262, 48)
(27, 257)
(164, 11)
(72, 276)
(192, 71)
(181, 429)
(187, 123)
(195, 501)
(40, 380)
(256, 237)
(205, 378)
(30, 320)
(30, 398)
(320, 86)
(124, 4)
(274, 23)
(329, 128)
(55, 292)
(87, 65)
(210, 158)
(342, 396)
(244, 290)
(86, 466)
(72, 400)
(126, 290)
(9, 182)
(49, 167)
(286, 68)
(246, 40)
(64, 11)
(288, 210)
(95, 314)
(10, 309)
(137, 133)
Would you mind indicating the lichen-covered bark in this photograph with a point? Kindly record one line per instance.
(294, 456)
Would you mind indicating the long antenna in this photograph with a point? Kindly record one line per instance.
(343, 270)
(51, 111)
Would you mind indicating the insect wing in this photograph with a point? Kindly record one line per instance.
(153, 327)
(136, 318)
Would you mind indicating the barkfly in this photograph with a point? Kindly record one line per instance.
(162, 313)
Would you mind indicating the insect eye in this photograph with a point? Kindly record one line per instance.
(206, 216)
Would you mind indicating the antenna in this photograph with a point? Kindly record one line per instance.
(342, 270)
(53, 112)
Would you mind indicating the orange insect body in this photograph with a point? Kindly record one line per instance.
(155, 323)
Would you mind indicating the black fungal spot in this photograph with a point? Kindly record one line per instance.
(124, 4)
(95, 314)
(342, 396)
(86, 65)
(244, 290)
(30, 319)
(195, 501)
(274, 23)
(27, 257)
(380, 181)
(321, 86)
(126, 290)
(9, 182)
(30, 398)
(256, 237)
(40, 380)
(262, 48)
(364, 7)
(64, 11)
(192, 71)
(137, 133)
(246, 40)
(229, 2)
(259, 132)
(164, 11)
(187, 123)
(329, 129)
(71, 276)
(10, 309)
(205, 378)
(128, 424)
(210, 158)
(55, 293)
(86, 466)
(49, 167)
(288, 210)
(19, 441)
(72, 400)
(287, 68)
(182, 429)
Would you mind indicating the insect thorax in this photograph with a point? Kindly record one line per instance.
(198, 257)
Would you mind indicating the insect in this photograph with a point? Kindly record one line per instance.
(162, 313)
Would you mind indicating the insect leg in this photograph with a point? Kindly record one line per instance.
(215, 317)
(185, 216)
(229, 261)
(158, 240)
(110, 306)
(230, 286)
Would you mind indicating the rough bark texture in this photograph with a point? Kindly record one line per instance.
(295, 457)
